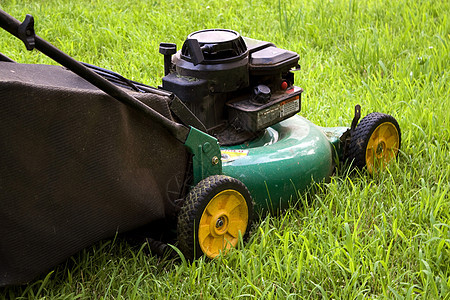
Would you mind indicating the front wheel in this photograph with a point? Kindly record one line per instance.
(375, 142)
(216, 211)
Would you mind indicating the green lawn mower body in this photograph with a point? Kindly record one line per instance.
(219, 140)
(283, 163)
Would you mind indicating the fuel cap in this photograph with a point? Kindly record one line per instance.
(261, 94)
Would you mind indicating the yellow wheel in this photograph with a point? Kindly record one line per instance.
(375, 142)
(215, 213)
(223, 218)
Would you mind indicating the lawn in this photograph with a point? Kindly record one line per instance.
(358, 236)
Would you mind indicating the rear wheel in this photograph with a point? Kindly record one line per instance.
(216, 211)
(375, 142)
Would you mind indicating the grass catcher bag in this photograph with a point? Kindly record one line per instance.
(76, 166)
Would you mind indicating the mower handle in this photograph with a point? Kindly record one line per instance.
(25, 32)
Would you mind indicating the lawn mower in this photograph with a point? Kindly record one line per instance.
(86, 153)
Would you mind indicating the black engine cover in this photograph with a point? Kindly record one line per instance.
(221, 88)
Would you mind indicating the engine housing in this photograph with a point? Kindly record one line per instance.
(236, 86)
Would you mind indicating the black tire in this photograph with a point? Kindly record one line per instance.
(375, 142)
(228, 191)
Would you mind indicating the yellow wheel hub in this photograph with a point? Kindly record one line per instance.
(223, 218)
(382, 146)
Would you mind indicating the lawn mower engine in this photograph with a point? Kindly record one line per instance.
(235, 86)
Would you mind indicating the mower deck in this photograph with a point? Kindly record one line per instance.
(283, 163)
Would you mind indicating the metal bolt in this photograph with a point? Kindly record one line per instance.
(380, 148)
(215, 160)
(219, 222)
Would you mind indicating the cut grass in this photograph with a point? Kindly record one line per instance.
(359, 236)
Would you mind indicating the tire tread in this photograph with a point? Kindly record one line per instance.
(192, 210)
(362, 133)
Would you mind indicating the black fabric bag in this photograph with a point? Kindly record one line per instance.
(76, 166)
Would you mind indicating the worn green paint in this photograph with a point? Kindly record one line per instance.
(285, 161)
(206, 154)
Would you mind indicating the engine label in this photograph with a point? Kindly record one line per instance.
(289, 106)
(268, 115)
(278, 112)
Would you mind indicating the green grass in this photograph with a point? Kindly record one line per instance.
(359, 236)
